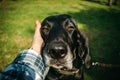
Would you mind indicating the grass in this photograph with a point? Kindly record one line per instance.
(99, 22)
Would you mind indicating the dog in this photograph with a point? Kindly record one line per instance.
(65, 48)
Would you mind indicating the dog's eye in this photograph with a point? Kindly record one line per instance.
(70, 28)
(45, 30)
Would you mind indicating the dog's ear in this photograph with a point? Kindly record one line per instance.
(83, 44)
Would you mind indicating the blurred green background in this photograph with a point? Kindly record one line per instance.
(98, 21)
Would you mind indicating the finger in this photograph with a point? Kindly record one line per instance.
(38, 24)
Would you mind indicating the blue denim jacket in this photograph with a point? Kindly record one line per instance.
(28, 65)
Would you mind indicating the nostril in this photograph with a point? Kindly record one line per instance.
(52, 53)
(62, 52)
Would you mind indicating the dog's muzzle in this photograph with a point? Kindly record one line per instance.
(57, 54)
(57, 50)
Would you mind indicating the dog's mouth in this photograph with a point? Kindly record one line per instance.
(64, 69)
(67, 71)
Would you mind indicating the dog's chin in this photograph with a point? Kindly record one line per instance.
(57, 67)
(65, 70)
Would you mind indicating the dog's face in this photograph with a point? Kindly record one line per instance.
(61, 42)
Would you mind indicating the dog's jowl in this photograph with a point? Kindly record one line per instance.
(65, 49)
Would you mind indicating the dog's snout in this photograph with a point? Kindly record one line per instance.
(57, 50)
(57, 53)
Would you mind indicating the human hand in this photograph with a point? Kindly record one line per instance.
(37, 39)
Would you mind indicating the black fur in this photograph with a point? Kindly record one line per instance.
(63, 27)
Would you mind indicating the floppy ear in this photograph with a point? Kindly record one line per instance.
(83, 44)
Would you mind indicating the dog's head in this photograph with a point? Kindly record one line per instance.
(64, 45)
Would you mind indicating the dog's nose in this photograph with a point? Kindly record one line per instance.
(57, 51)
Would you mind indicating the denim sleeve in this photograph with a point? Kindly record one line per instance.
(28, 65)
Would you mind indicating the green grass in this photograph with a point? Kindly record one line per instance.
(99, 22)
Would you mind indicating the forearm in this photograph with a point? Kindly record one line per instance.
(37, 39)
(28, 63)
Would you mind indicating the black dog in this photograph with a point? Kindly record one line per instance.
(65, 49)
